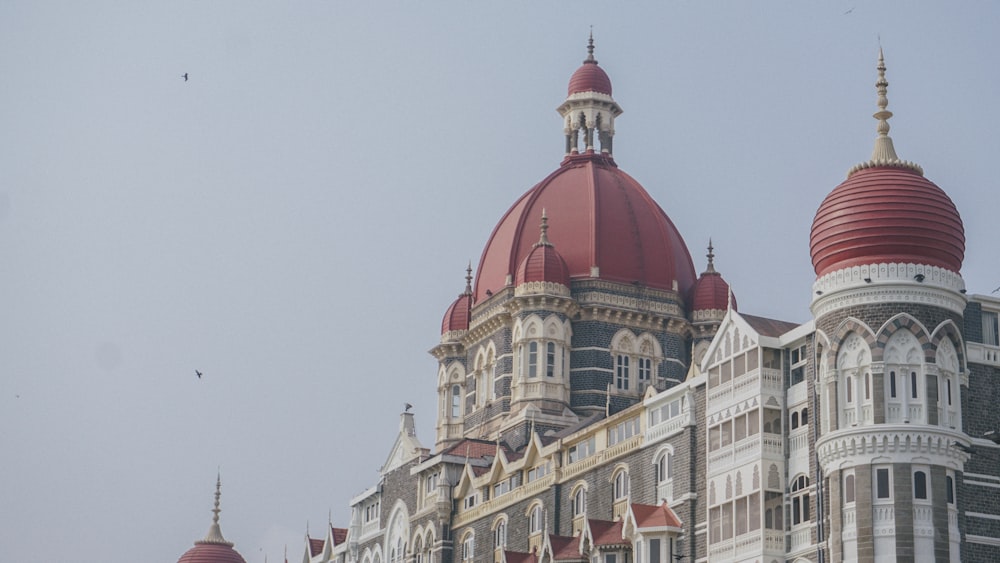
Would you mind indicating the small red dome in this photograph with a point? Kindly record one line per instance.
(589, 78)
(609, 228)
(457, 316)
(211, 553)
(543, 264)
(711, 292)
(886, 214)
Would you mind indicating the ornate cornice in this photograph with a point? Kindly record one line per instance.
(892, 443)
(888, 283)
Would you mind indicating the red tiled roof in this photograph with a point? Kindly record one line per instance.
(604, 532)
(315, 546)
(520, 557)
(650, 516)
(768, 327)
(475, 449)
(565, 548)
(339, 535)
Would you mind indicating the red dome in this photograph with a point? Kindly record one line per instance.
(589, 78)
(211, 553)
(605, 220)
(711, 292)
(543, 264)
(457, 316)
(886, 214)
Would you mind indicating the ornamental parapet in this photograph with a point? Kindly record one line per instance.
(895, 443)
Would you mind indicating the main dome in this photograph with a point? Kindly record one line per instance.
(603, 223)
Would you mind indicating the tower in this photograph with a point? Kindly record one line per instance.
(887, 246)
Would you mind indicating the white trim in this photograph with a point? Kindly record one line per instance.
(981, 484)
(983, 540)
(981, 515)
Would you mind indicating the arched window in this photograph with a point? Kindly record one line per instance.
(795, 420)
(578, 502)
(849, 488)
(500, 534)
(621, 483)
(468, 546)
(535, 523)
(550, 359)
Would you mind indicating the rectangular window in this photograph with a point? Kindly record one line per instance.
(892, 384)
(654, 551)
(645, 370)
(920, 485)
(913, 384)
(950, 489)
(991, 334)
(533, 359)
(550, 360)
(882, 483)
(622, 372)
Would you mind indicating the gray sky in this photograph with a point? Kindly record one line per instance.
(294, 220)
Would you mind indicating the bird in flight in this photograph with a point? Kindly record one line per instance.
(198, 373)
(185, 77)
(995, 290)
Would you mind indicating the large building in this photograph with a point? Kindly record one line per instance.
(600, 401)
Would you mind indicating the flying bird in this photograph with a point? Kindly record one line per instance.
(185, 77)
(198, 373)
(995, 290)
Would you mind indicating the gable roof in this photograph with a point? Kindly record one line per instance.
(520, 557)
(565, 548)
(648, 516)
(315, 546)
(768, 327)
(606, 533)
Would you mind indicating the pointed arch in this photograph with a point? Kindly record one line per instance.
(902, 321)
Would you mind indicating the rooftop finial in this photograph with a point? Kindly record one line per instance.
(884, 151)
(543, 240)
(884, 154)
(468, 279)
(590, 48)
(711, 258)
(214, 534)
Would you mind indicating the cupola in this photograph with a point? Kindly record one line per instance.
(456, 318)
(544, 264)
(711, 292)
(213, 548)
(886, 212)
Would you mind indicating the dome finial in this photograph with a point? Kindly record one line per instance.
(711, 258)
(543, 240)
(468, 279)
(214, 534)
(884, 151)
(590, 48)
(884, 154)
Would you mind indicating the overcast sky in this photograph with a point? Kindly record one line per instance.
(295, 218)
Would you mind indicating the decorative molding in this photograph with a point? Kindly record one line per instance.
(862, 445)
(882, 283)
(541, 288)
